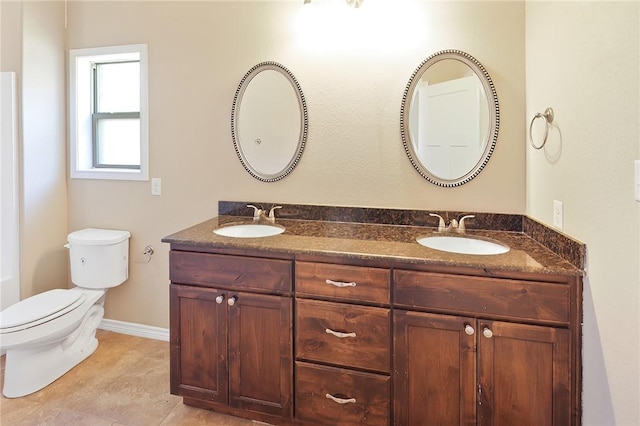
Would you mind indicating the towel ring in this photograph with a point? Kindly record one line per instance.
(548, 117)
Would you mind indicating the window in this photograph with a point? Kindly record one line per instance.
(116, 114)
(108, 113)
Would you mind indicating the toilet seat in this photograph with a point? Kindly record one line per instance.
(38, 309)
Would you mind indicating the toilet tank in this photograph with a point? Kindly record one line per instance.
(99, 257)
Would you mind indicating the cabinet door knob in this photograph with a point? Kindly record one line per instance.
(219, 299)
(487, 333)
(339, 334)
(341, 400)
(232, 300)
(341, 283)
(469, 330)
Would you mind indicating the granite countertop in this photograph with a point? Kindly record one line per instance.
(385, 242)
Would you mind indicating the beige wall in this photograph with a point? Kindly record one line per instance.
(199, 51)
(32, 44)
(11, 36)
(583, 60)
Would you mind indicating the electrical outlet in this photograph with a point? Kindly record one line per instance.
(558, 214)
(156, 186)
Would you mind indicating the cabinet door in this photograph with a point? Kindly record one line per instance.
(434, 369)
(524, 376)
(198, 343)
(261, 354)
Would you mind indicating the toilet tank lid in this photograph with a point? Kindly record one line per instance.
(94, 236)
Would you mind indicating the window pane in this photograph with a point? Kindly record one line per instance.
(118, 87)
(119, 142)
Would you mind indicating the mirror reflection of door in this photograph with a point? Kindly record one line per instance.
(449, 138)
(449, 118)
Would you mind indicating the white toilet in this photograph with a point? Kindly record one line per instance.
(48, 334)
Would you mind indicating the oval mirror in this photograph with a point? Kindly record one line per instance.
(449, 118)
(269, 121)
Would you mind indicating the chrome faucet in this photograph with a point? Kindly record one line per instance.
(461, 226)
(272, 215)
(454, 225)
(258, 213)
(442, 227)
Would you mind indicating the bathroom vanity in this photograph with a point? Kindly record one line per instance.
(337, 322)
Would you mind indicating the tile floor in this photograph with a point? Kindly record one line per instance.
(124, 383)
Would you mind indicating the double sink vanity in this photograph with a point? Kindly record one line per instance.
(339, 315)
(343, 316)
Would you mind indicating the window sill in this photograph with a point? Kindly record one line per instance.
(110, 174)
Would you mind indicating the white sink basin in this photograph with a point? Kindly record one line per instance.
(249, 230)
(462, 245)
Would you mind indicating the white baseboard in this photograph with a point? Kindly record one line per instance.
(134, 329)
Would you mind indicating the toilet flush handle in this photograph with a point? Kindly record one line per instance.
(66, 245)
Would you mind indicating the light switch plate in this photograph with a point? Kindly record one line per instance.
(156, 186)
(637, 179)
(558, 213)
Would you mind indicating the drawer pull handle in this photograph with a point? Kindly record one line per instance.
(341, 283)
(219, 299)
(487, 333)
(469, 330)
(340, 334)
(341, 400)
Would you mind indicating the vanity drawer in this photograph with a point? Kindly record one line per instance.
(341, 334)
(241, 273)
(530, 300)
(357, 283)
(360, 398)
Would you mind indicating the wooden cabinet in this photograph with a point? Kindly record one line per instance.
(376, 343)
(199, 349)
(347, 283)
(523, 374)
(467, 370)
(353, 336)
(260, 354)
(343, 356)
(517, 300)
(434, 370)
(339, 396)
(240, 273)
(231, 347)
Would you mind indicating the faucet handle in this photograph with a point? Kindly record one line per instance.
(461, 226)
(272, 215)
(441, 225)
(256, 211)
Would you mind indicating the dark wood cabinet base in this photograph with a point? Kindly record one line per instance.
(320, 341)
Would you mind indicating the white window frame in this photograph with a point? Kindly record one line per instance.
(80, 108)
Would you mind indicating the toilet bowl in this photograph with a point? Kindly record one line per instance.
(48, 334)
